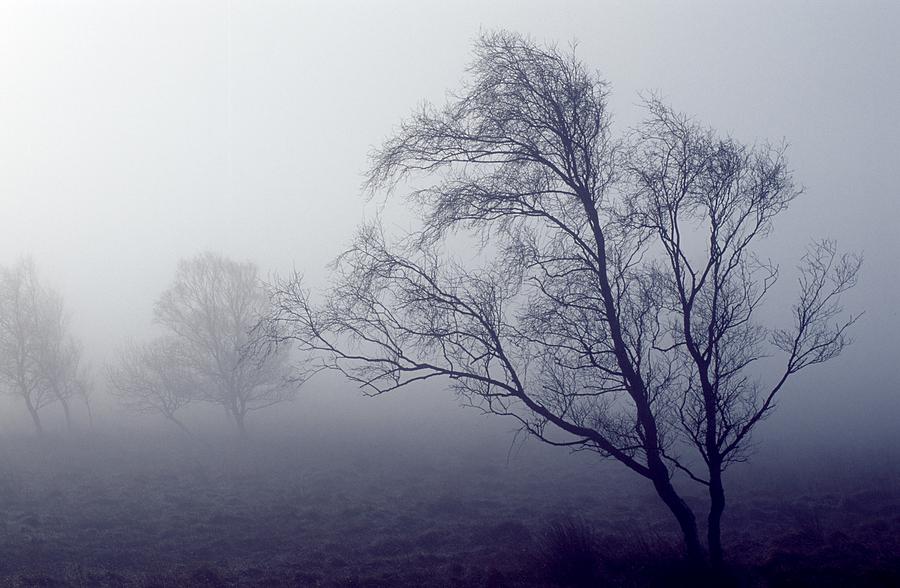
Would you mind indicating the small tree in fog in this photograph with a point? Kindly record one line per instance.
(212, 309)
(611, 305)
(155, 378)
(83, 386)
(39, 361)
(59, 356)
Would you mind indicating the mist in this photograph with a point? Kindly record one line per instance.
(142, 137)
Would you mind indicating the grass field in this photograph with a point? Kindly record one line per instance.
(103, 510)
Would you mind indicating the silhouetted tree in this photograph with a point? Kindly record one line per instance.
(578, 312)
(212, 309)
(155, 377)
(701, 203)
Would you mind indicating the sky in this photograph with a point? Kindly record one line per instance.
(136, 133)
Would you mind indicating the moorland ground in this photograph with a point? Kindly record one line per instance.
(338, 509)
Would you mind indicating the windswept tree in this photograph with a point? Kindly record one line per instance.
(155, 378)
(612, 303)
(212, 309)
(39, 360)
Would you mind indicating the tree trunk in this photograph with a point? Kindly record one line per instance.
(659, 473)
(716, 508)
(38, 427)
(90, 412)
(180, 425)
(66, 412)
(684, 515)
(239, 421)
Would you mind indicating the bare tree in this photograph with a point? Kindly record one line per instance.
(212, 308)
(28, 336)
(155, 377)
(58, 354)
(570, 317)
(687, 183)
(83, 384)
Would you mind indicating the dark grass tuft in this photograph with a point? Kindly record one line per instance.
(571, 553)
(568, 553)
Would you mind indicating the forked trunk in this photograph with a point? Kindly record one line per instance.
(38, 427)
(685, 517)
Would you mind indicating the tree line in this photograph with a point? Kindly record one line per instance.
(208, 351)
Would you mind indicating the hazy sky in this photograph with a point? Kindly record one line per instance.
(133, 133)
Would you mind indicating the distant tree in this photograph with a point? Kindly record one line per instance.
(212, 309)
(39, 360)
(84, 387)
(59, 355)
(156, 377)
(21, 308)
(610, 303)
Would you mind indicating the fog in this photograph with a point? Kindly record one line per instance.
(138, 134)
